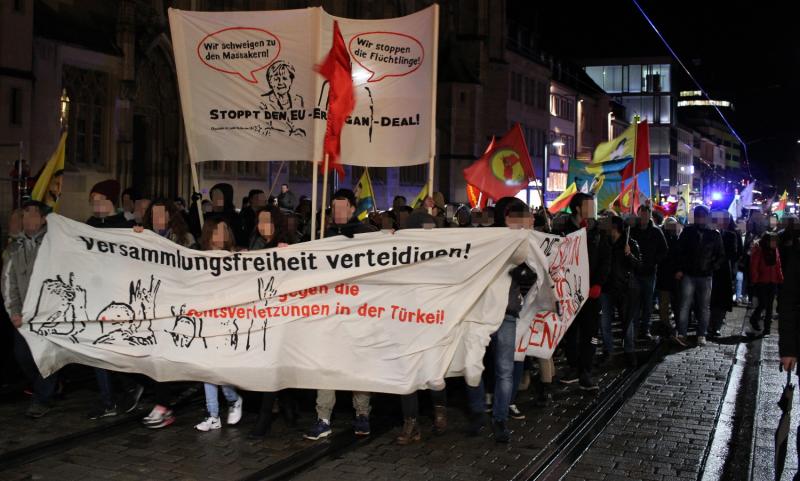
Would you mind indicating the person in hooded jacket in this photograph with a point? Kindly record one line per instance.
(345, 223)
(653, 247)
(16, 278)
(765, 277)
(222, 208)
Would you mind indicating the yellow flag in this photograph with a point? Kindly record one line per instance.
(365, 198)
(48, 186)
(617, 149)
(420, 198)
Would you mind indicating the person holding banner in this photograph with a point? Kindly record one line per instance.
(515, 215)
(217, 235)
(16, 277)
(578, 338)
(343, 209)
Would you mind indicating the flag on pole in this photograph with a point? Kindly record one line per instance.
(476, 197)
(630, 198)
(642, 152)
(562, 201)
(420, 198)
(337, 70)
(782, 203)
(48, 186)
(734, 209)
(365, 197)
(504, 169)
(747, 194)
(619, 149)
(585, 187)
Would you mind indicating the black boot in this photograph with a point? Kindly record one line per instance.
(476, 422)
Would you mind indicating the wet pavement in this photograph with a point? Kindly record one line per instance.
(690, 416)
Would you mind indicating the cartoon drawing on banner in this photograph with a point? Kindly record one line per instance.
(68, 302)
(281, 106)
(131, 323)
(186, 328)
(266, 290)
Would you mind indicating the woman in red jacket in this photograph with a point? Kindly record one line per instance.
(765, 275)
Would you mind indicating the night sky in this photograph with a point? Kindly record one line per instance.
(749, 56)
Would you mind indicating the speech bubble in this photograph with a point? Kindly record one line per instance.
(386, 54)
(241, 51)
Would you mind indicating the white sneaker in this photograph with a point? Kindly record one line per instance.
(701, 341)
(209, 424)
(235, 412)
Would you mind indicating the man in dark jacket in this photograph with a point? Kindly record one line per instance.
(286, 199)
(343, 209)
(653, 247)
(104, 197)
(700, 253)
(620, 292)
(578, 338)
(247, 216)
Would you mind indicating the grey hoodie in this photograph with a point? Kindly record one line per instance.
(17, 272)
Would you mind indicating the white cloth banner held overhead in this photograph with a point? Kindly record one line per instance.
(249, 90)
(379, 312)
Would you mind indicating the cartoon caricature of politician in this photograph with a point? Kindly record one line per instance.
(280, 76)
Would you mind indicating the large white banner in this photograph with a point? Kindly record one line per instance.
(249, 90)
(381, 312)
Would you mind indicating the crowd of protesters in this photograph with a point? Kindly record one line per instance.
(690, 275)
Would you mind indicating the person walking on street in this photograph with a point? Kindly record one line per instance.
(621, 292)
(765, 277)
(668, 287)
(654, 249)
(344, 222)
(700, 252)
(578, 338)
(722, 288)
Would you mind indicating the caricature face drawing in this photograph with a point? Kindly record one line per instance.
(280, 81)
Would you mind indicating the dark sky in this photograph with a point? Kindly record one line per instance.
(738, 52)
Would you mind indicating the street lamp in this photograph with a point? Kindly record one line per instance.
(64, 115)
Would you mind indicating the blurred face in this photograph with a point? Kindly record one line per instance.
(207, 207)
(719, 220)
(604, 224)
(701, 219)
(486, 219)
(217, 199)
(220, 236)
(127, 203)
(259, 200)
(32, 220)
(402, 220)
(429, 203)
(342, 211)
(773, 222)
(672, 228)
(265, 226)
(140, 207)
(588, 209)
(15, 223)
(180, 205)
(160, 218)
(101, 206)
(284, 189)
(519, 220)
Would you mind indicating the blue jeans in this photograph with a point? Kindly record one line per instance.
(505, 342)
(647, 288)
(212, 397)
(697, 290)
(609, 306)
(739, 285)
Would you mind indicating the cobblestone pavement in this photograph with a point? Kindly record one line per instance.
(663, 431)
(771, 383)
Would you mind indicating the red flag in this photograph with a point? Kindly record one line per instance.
(504, 169)
(642, 154)
(337, 70)
(474, 195)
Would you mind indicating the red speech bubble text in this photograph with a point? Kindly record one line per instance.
(240, 51)
(386, 54)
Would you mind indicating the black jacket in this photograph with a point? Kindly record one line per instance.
(722, 282)
(700, 251)
(789, 294)
(652, 245)
(354, 226)
(287, 200)
(623, 267)
(599, 246)
(665, 275)
(116, 221)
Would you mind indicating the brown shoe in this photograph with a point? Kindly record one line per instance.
(439, 419)
(410, 433)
